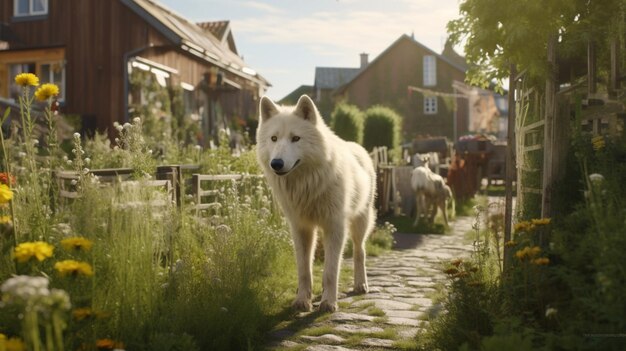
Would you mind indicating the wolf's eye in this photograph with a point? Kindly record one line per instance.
(294, 139)
(274, 138)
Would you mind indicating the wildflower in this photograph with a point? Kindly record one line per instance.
(541, 221)
(59, 299)
(25, 79)
(82, 313)
(77, 243)
(24, 289)
(76, 135)
(6, 178)
(457, 262)
(5, 219)
(551, 312)
(46, 91)
(74, 268)
(528, 252)
(108, 344)
(6, 194)
(510, 243)
(541, 261)
(598, 142)
(524, 226)
(13, 344)
(451, 271)
(37, 249)
(596, 178)
(136, 120)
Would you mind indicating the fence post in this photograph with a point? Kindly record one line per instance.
(509, 166)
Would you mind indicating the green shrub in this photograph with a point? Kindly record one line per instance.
(347, 122)
(381, 128)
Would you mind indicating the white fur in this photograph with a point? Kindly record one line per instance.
(431, 193)
(328, 184)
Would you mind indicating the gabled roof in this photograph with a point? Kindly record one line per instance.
(292, 98)
(333, 77)
(192, 38)
(403, 37)
(221, 30)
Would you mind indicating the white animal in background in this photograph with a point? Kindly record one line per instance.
(431, 192)
(321, 183)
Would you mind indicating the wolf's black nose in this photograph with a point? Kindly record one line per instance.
(277, 164)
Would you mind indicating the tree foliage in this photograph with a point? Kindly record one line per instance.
(347, 122)
(499, 33)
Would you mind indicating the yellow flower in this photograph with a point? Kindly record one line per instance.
(598, 142)
(12, 344)
(74, 268)
(38, 249)
(25, 79)
(541, 221)
(5, 219)
(46, 91)
(108, 344)
(6, 194)
(524, 226)
(76, 243)
(82, 313)
(528, 251)
(542, 261)
(510, 243)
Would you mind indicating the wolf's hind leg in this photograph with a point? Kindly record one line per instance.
(334, 238)
(360, 229)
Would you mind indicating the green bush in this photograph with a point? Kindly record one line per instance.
(381, 128)
(347, 122)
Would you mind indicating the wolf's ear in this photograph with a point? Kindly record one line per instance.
(267, 109)
(306, 109)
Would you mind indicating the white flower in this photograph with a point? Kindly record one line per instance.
(198, 147)
(119, 128)
(551, 312)
(596, 178)
(136, 120)
(127, 125)
(22, 289)
(76, 135)
(74, 182)
(35, 141)
(85, 170)
(87, 160)
(116, 124)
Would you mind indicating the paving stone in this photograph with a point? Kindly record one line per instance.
(377, 342)
(419, 301)
(402, 314)
(385, 304)
(403, 321)
(286, 344)
(350, 317)
(408, 333)
(351, 328)
(327, 348)
(326, 338)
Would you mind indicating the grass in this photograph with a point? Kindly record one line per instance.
(404, 224)
(376, 312)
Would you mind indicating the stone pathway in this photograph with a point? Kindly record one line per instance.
(403, 284)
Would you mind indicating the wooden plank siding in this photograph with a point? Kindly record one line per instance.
(95, 34)
(386, 79)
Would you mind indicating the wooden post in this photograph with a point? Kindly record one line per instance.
(614, 78)
(591, 66)
(549, 139)
(509, 166)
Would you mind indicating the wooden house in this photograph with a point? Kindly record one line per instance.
(407, 63)
(92, 49)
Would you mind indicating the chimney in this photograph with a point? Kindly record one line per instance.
(364, 60)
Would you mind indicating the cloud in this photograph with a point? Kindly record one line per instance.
(267, 8)
(357, 30)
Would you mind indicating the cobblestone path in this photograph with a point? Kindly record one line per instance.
(403, 283)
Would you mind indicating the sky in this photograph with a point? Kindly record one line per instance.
(284, 40)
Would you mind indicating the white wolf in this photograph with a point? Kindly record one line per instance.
(321, 182)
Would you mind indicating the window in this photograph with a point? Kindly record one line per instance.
(430, 71)
(48, 72)
(430, 105)
(53, 72)
(30, 7)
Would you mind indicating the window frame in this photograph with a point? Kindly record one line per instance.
(432, 108)
(61, 97)
(429, 70)
(31, 9)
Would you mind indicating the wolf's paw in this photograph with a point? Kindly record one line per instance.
(326, 306)
(302, 305)
(360, 289)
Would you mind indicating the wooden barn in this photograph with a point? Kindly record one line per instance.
(97, 51)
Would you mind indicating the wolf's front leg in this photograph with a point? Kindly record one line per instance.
(304, 243)
(334, 237)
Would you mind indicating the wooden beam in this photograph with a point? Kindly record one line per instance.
(509, 167)
(614, 84)
(549, 142)
(591, 67)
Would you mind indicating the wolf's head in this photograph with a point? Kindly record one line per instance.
(289, 137)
